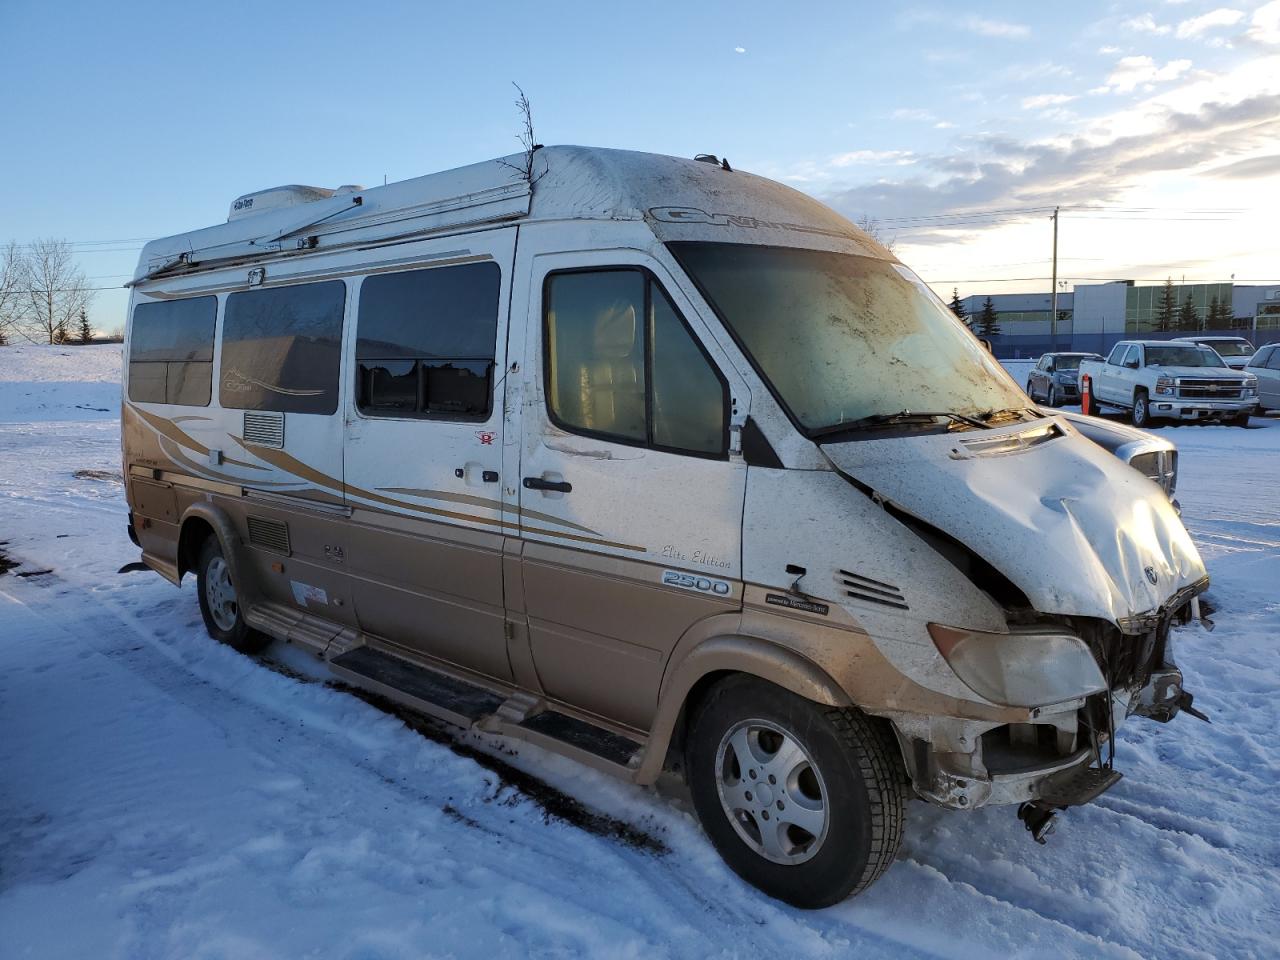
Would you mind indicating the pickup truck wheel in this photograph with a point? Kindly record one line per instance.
(1241, 420)
(1141, 416)
(804, 801)
(220, 603)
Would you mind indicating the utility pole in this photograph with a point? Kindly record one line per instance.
(1053, 296)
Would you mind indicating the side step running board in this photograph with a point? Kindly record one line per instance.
(603, 743)
(437, 694)
(466, 704)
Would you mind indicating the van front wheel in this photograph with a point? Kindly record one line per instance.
(220, 602)
(802, 800)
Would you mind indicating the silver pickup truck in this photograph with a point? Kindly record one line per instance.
(1159, 379)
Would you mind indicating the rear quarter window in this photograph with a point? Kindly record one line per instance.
(171, 351)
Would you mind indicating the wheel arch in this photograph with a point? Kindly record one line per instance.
(200, 521)
(688, 682)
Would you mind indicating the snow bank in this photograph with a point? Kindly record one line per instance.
(87, 383)
(162, 796)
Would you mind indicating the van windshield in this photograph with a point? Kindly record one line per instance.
(843, 338)
(1230, 348)
(1188, 356)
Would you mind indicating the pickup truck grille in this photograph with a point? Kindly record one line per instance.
(1209, 389)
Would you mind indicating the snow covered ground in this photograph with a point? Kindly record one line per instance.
(162, 796)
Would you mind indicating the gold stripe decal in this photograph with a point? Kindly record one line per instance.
(291, 465)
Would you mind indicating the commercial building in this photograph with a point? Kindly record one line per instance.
(1095, 315)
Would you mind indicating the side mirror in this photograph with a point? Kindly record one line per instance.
(1131, 364)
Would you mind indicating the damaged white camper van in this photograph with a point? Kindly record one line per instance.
(659, 465)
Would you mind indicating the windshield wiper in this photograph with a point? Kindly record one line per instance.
(888, 419)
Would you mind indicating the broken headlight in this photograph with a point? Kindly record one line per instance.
(1020, 669)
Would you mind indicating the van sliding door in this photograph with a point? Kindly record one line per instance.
(423, 450)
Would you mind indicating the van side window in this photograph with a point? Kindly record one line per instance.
(620, 363)
(281, 348)
(426, 341)
(171, 351)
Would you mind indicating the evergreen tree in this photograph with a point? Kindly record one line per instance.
(957, 307)
(1219, 317)
(1188, 319)
(988, 320)
(1168, 307)
(86, 331)
(60, 333)
(4, 341)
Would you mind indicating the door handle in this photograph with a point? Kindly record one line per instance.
(537, 483)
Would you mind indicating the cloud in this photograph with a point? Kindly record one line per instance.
(1107, 51)
(1046, 100)
(739, 49)
(1222, 17)
(943, 125)
(1264, 27)
(1132, 72)
(1087, 169)
(996, 28)
(1253, 168)
(1146, 24)
(898, 157)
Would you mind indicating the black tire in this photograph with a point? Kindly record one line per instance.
(233, 631)
(1051, 398)
(859, 765)
(1241, 420)
(1140, 416)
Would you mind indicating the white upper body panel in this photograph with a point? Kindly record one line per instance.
(679, 199)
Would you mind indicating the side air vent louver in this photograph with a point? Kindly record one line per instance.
(872, 591)
(264, 429)
(272, 534)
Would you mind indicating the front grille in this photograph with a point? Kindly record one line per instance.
(1209, 389)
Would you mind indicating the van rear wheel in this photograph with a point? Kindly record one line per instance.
(804, 801)
(220, 602)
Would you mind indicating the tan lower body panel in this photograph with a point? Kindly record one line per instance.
(602, 629)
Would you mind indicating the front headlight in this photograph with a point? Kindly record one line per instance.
(1250, 386)
(1164, 386)
(1020, 669)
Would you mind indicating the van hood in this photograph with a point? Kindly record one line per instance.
(1076, 530)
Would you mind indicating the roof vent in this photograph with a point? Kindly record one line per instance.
(278, 198)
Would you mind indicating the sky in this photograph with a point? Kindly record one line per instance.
(1154, 125)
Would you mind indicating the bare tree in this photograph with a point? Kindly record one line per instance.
(526, 138)
(56, 289)
(873, 228)
(13, 284)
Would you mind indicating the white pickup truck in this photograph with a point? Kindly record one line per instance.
(1159, 379)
